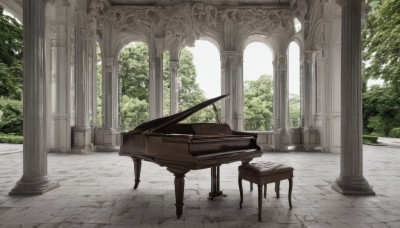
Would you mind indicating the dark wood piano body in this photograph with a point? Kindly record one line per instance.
(185, 147)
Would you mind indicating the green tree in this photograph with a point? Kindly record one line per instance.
(381, 110)
(134, 76)
(294, 111)
(258, 104)
(10, 57)
(382, 42)
(190, 93)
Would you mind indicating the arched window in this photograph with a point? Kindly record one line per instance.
(134, 85)
(199, 79)
(258, 87)
(166, 84)
(294, 85)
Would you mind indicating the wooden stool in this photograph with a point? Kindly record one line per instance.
(264, 173)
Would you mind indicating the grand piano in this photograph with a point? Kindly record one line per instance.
(182, 147)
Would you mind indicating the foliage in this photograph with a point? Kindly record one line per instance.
(99, 120)
(369, 139)
(134, 76)
(381, 110)
(395, 132)
(190, 93)
(10, 57)
(133, 111)
(13, 139)
(258, 104)
(294, 111)
(12, 118)
(382, 42)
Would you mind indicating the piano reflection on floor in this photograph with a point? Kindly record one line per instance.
(183, 147)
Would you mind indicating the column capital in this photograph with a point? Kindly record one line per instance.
(309, 56)
(174, 64)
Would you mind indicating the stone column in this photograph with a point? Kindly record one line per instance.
(281, 103)
(233, 75)
(174, 86)
(107, 138)
(81, 132)
(351, 179)
(310, 134)
(34, 180)
(156, 78)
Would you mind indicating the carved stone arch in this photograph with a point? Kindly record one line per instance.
(299, 42)
(257, 37)
(123, 39)
(212, 39)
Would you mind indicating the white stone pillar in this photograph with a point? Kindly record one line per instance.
(281, 104)
(351, 179)
(310, 139)
(174, 86)
(156, 78)
(81, 132)
(34, 180)
(234, 86)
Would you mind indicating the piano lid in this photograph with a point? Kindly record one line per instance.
(165, 122)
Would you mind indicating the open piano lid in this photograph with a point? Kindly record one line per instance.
(167, 121)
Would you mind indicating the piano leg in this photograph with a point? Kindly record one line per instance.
(137, 167)
(179, 189)
(215, 180)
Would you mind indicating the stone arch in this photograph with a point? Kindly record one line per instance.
(123, 39)
(257, 37)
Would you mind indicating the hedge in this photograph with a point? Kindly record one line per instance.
(11, 119)
(370, 139)
(13, 139)
(395, 132)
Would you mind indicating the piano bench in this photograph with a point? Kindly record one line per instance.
(263, 173)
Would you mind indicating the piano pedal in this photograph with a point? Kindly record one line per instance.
(213, 195)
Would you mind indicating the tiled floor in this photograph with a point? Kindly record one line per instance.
(96, 191)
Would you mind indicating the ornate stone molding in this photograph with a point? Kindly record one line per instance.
(185, 22)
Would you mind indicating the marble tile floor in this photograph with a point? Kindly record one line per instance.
(96, 191)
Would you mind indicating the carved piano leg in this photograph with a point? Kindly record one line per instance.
(179, 193)
(137, 167)
(179, 189)
(215, 180)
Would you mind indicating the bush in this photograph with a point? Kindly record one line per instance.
(369, 139)
(13, 139)
(12, 119)
(395, 132)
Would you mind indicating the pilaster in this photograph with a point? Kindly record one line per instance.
(281, 99)
(351, 179)
(174, 85)
(156, 78)
(233, 74)
(107, 138)
(81, 132)
(34, 180)
(310, 135)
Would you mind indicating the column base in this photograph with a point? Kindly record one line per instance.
(37, 186)
(81, 140)
(352, 186)
(311, 140)
(106, 140)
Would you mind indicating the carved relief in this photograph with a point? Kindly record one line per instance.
(186, 22)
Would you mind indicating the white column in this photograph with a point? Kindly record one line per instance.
(34, 179)
(281, 113)
(233, 74)
(310, 134)
(81, 132)
(174, 85)
(156, 78)
(351, 179)
(282, 94)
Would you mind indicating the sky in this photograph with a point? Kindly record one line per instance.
(257, 60)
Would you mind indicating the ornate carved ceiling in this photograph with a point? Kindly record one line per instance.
(215, 2)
